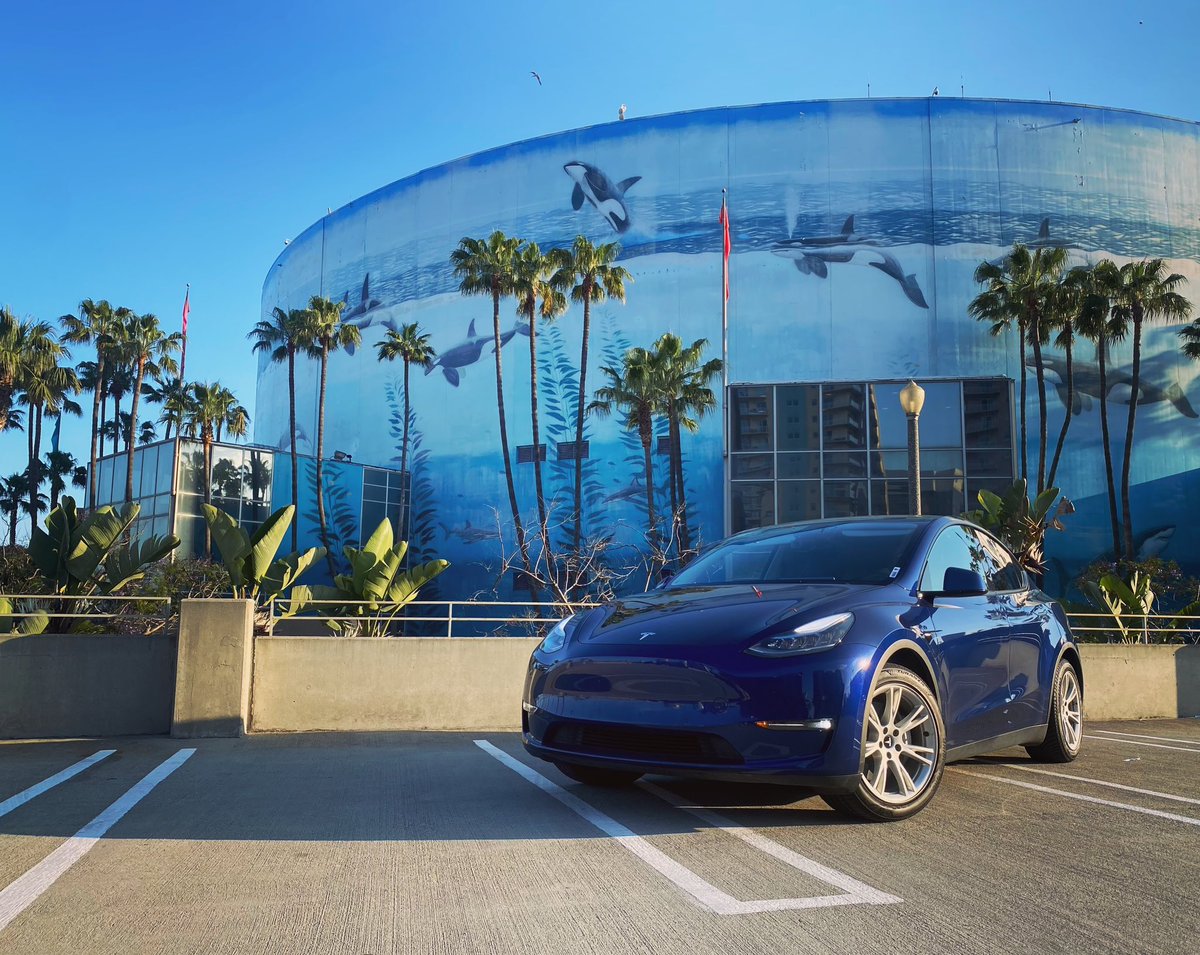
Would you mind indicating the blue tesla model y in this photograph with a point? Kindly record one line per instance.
(854, 658)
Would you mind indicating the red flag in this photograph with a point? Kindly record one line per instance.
(186, 308)
(724, 220)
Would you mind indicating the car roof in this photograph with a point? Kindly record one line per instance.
(774, 530)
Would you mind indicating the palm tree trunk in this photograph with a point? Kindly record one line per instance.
(206, 464)
(672, 424)
(1040, 376)
(133, 413)
(6, 393)
(583, 357)
(35, 471)
(1134, 387)
(646, 432)
(12, 526)
(116, 424)
(1102, 363)
(320, 456)
(522, 546)
(685, 531)
(97, 417)
(1024, 376)
(543, 524)
(406, 483)
(1062, 435)
(291, 353)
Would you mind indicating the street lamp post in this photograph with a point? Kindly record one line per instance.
(912, 399)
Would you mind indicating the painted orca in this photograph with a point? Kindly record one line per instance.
(1087, 383)
(816, 259)
(594, 186)
(365, 302)
(459, 356)
(1043, 240)
(845, 237)
(285, 441)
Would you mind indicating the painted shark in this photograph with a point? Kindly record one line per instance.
(591, 184)
(633, 491)
(814, 254)
(468, 534)
(1087, 383)
(454, 360)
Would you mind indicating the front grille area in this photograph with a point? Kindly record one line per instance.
(666, 746)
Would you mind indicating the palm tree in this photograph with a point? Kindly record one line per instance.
(26, 347)
(684, 398)
(61, 466)
(635, 390)
(212, 404)
(488, 267)
(118, 384)
(47, 387)
(280, 337)
(1074, 296)
(96, 321)
(324, 334)
(1021, 291)
(1141, 292)
(531, 284)
(173, 395)
(588, 271)
(148, 351)
(412, 347)
(1191, 340)
(14, 489)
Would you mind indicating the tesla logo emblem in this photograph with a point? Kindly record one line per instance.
(648, 633)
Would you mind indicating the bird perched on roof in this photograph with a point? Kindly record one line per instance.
(534, 74)
(621, 112)
(935, 91)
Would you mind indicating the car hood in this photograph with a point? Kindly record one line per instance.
(710, 615)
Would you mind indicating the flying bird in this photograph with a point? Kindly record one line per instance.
(534, 74)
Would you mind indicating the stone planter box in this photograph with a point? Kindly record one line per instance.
(1138, 682)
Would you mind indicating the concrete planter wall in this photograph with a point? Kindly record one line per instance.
(108, 684)
(1133, 682)
(415, 683)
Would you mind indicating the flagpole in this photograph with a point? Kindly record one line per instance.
(725, 355)
(183, 356)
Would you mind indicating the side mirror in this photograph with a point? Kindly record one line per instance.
(664, 576)
(960, 582)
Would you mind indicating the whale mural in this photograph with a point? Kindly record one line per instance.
(594, 186)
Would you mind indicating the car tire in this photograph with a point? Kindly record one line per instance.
(595, 776)
(1064, 730)
(904, 750)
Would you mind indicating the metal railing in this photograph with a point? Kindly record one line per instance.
(84, 607)
(490, 616)
(1136, 627)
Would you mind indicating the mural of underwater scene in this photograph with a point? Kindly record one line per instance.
(856, 227)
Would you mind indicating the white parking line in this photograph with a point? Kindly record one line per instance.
(1101, 782)
(1134, 742)
(15, 802)
(1173, 817)
(701, 891)
(22, 893)
(1161, 739)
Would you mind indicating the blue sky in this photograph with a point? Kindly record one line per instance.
(150, 144)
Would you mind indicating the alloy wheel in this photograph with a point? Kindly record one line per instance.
(1070, 709)
(901, 745)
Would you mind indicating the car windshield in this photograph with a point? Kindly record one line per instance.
(856, 552)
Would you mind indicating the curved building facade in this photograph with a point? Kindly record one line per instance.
(856, 229)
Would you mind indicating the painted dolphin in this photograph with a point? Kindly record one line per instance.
(591, 184)
(468, 534)
(815, 260)
(1118, 381)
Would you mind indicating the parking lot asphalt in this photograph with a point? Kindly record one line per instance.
(460, 843)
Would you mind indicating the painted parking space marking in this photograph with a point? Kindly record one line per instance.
(1134, 742)
(706, 894)
(1162, 739)
(1173, 817)
(22, 893)
(1101, 782)
(25, 795)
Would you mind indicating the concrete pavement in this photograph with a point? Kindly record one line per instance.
(422, 842)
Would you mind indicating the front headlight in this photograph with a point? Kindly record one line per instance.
(557, 637)
(820, 634)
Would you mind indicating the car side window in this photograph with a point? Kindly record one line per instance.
(1005, 572)
(954, 547)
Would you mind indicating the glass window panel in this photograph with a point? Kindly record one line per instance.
(104, 481)
(1005, 572)
(372, 514)
(799, 501)
(751, 421)
(943, 463)
(987, 412)
(230, 505)
(375, 477)
(889, 425)
(227, 474)
(995, 485)
(890, 496)
(844, 416)
(942, 496)
(798, 412)
(259, 466)
(804, 465)
(845, 498)
(954, 547)
(374, 493)
(189, 504)
(989, 463)
(166, 459)
(191, 468)
(889, 464)
(751, 505)
(190, 530)
(845, 464)
(940, 420)
(145, 471)
(255, 511)
(394, 495)
(744, 467)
